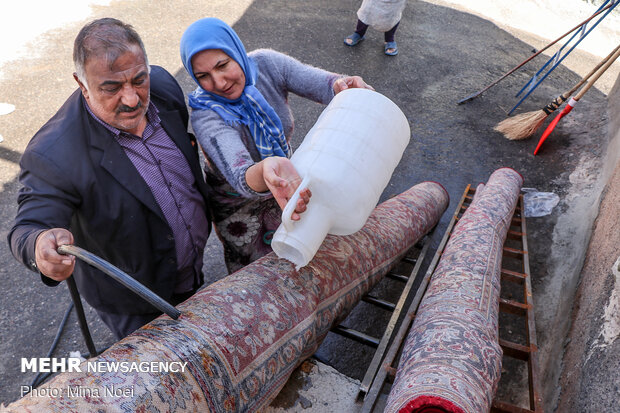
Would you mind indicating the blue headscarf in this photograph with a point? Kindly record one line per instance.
(250, 108)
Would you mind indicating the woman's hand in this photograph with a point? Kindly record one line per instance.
(349, 82)
(282, 179)
(279, 176)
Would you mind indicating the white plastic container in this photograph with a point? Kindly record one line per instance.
(346, 160)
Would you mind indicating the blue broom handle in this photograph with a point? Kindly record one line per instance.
(616, 2)
(552, 58)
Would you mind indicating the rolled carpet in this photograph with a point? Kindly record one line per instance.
(451, 359)
(242, 337)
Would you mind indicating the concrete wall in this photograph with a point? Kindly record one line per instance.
(590, 380)
(613, 153)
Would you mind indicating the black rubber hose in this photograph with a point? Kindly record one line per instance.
(122, 278)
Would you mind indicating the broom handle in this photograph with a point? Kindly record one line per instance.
(534, 55)
(597, 67)
(598, 74)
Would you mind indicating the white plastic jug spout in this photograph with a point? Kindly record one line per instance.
(298, 241)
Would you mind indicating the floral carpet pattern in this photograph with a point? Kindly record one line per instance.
(243, 336)
(451, 358)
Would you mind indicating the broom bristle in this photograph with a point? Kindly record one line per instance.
(521, 126)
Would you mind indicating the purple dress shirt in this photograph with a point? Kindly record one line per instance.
(165, 170)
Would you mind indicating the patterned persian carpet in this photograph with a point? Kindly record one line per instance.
(243, 336)
(451, 359)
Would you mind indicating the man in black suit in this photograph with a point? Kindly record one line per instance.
(115, 172)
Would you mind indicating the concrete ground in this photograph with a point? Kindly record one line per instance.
(448, 50)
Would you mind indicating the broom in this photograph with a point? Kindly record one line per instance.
(573, 101)
(505, 75)
(524, 125)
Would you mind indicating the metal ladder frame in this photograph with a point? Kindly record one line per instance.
(415, 257)
(524, 309)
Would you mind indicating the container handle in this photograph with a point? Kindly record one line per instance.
(290, 205)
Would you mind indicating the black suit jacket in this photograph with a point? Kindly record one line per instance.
(76, 176)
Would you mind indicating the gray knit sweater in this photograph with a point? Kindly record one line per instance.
(231, 149)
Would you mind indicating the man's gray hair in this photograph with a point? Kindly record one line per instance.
(106, 37)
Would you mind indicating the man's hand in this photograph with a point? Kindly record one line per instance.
(349, 82)
(282, 179)
(52, 264)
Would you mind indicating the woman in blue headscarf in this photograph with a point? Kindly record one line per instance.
(243, 122)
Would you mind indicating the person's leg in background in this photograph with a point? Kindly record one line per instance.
(358, 36)
(390, 47)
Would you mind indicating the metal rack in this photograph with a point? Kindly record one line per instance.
(522, 306)
(413, 258)
(515, 272)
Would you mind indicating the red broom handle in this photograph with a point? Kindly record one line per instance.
(571, 103)
(569, 106)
